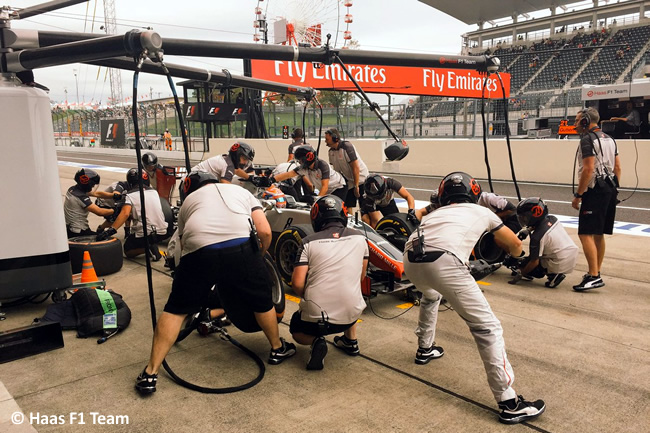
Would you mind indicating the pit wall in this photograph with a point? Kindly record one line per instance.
(545, 161)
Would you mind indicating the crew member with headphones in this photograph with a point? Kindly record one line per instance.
(297, 137)
(238, 161)
(345, 159)
(134, 243)
(435, 259)
(336, 258)
(316, 173)
(218, 248)
(77, 203)
(596, 195)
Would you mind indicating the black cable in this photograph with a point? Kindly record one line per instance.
(388, 318)
(143, 215)
(485, 130)
(320, 127)
(181, 120)
(505, 116)
(304, 130)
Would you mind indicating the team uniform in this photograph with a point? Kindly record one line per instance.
(294, 144)
(220, 166)
(214, 232)
(119, 187)
(386, 204)
(75, 209)
(598, 208)
(335, 258)
(450, 233)
(321, 171)
(551, 244)
(291, 186)
(156, 223)
(340, 160)
(498, 204)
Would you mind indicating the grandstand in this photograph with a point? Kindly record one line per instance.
(551, 57)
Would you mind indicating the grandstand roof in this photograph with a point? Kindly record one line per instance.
(472, 11)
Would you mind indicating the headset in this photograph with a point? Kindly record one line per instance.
(295, 134)
(334, 135)
(585, 120)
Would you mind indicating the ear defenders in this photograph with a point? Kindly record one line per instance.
(585, 120)
(335, 136)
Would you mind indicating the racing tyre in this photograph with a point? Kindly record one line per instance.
(277, 286)
(487, 249)
(105, 255)
(286, 248)
(396, 228)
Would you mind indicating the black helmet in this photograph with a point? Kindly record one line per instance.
(132, 178)
(305, 155)
(241, 149)
(196, 180)
(149, 159)
(326, 209)
(86, 179)
(458, 187)
(531, 211)
(375, 186)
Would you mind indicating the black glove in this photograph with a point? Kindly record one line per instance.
(105, 234)
(523, 234)
(117, 209)
(511, 262)
(261, 181)
(411, 217)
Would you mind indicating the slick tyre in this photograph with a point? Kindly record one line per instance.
(487, 249)
(286, 249)
(105, 255)
(396, 228)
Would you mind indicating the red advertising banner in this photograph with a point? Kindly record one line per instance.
(450, 82)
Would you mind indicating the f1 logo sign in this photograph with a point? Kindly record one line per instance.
(190, 111)
(213, 111)
(237, 111)
(111, 131)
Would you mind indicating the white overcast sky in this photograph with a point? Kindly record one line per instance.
(388, 25)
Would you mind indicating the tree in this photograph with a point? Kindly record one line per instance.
(334, 98)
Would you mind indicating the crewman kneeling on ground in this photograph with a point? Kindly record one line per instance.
(135, 243)
(77, 204)
(336, 258)
(214, 226)
(552, 252)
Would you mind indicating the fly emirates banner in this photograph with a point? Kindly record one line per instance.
(460, 83)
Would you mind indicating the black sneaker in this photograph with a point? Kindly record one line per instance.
(589, 282)
(351, 347)
(554, 280)
(146, 383)
(286, 351)
(517, 410)
(424, 355)
(154, 253)
(317, 356)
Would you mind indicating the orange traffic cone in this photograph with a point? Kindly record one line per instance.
(88, 274)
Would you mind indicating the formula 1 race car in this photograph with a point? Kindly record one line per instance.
(290, 223)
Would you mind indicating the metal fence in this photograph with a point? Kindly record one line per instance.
(459, 118)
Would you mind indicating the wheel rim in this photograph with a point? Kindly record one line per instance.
(276, 289)
(287, 255)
